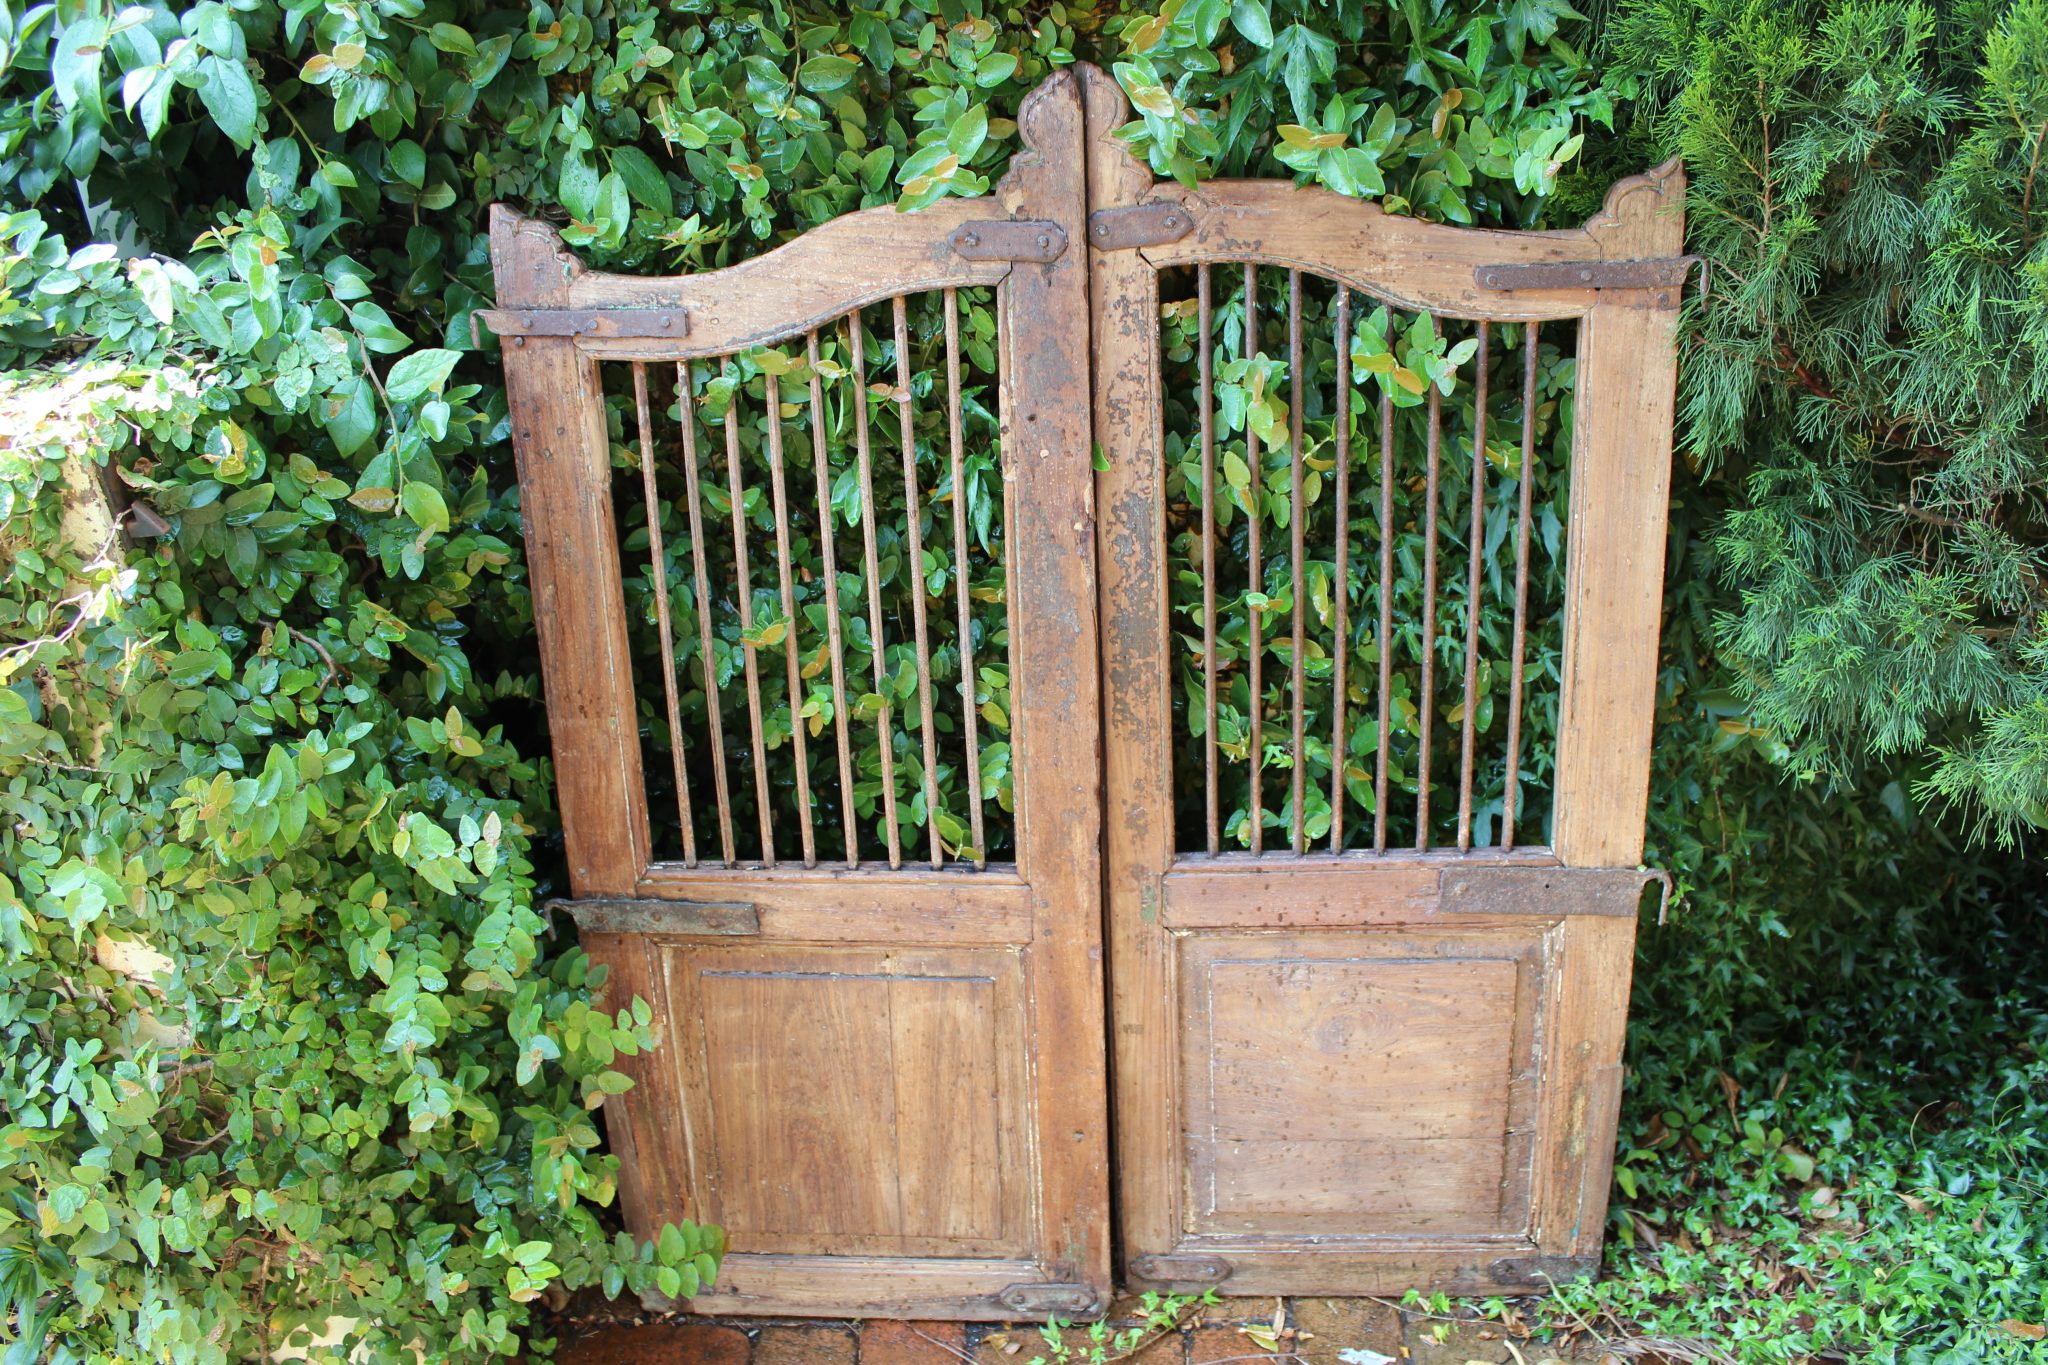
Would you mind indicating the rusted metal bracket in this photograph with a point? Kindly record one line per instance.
(623, 916)
(1039, 1300)
(1181, 1268)
(1544, 1271)
(143, 522)
(1136, 225)
(515, 323)
(1010, 239)
(1662, 272)
(1545, 892)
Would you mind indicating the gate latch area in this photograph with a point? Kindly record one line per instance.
(1138, 225)
(1660, 272)
(516, 323)
(1545, 1272)
(1181, 1268)
(1010, 239)
(1546, 892)
(623, 916)
(1035, 1300)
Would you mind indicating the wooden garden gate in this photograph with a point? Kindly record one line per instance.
(947, 678)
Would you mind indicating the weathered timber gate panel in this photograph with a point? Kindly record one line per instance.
(1382, 1053)
(884, 1067)
(858, 761)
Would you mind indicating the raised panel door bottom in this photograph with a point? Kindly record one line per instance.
(856, 1102)
(1358, 1082)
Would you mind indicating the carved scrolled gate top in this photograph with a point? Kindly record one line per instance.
(1628, 247)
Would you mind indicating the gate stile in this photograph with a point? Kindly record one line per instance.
(1341, 1064)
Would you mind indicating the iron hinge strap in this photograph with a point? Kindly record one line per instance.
(626, 915)
(1548, 892)
(1061, 1299)
(581, 322)
(1658, 272)
(1010, 239)
(1181, 1267)
(1139, 225)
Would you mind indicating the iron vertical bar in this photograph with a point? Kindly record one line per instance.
(1527, 502)
(1379, 778)
(1340, 665)
(835, 644)
(706, 658)
(1297, 559)
(1208, 401)
(1426, 703)
(744, 590)
(914, 531)
(1468, 723)
(658, 561)
(961, 588)
(778, 491)
(883, 724)
(1257, 584)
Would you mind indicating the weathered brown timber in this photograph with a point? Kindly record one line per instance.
(823, 1025)
(1343, 1071)
(1331, 1076)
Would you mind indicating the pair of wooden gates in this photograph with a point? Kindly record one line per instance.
(1354, 811)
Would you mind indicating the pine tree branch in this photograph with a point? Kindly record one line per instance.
(2027, 197)
(1808, 380)
(1921, 514)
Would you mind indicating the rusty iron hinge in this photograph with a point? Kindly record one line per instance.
(1136, 225)
(1546, 892)
(1541, 1271)
(516, 323)
(143, 522)
(1181, 1268)
(611, 915)
(1010, 239)
(1661, 272)
(1035, 1300)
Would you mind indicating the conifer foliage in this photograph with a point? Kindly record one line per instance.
(1869, 191)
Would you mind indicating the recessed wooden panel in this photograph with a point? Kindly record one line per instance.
(1359, 1083)
(1332, 1051)
(821, 1159)
(855, 1102)
(1435, 1185)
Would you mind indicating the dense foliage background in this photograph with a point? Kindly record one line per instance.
(287, 1035)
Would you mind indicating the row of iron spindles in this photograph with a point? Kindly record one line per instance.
(1255, 556)
(743, 591)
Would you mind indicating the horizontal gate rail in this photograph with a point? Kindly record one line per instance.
(806, 284)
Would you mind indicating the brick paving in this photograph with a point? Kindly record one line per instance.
(1313, 1331)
